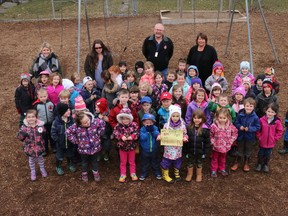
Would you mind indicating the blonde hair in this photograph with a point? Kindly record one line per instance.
(65, 93)
(42, 91)
(223, 111)
(147, 86)
(47, 45)
(149, 64)
(51, 77)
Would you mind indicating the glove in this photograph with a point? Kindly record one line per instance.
(149, 128)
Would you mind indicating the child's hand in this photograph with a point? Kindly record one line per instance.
(246, 128)
(158, 137)
(213, 99)
(105, 118)
(185, 139)
(124, 138)
(129, 138)
(242, 128)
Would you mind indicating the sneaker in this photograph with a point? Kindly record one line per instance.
(134, 177)
(213, 174)
(142, 178)
(122, 178)
(203, 156)
(96, 176)
(283, 151)
(234, 167)
(85, 177)
(224, 173)
(246, 167)
(59, 171)
(33, 176)
(158, 177)
(258, 168)
(106, 157)
(266, 168)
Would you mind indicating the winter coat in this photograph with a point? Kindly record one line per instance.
(33, 138)
(148, 79)
(156, 93)
(222, 138)
(53, 93)
(286, 125)
(262, 102)
(86, 95)
(239, 78)
(121, 130)
(192, 107)
(39, 86)
(269, 133)
(58, 132)
(87, 139)
(148, 141)
(197, 143)
(73, 95)
(141, 113)
(211, 80)
(45, 111)
(213, 107)
(182, 103)
(169, 84)
(185, 88)
(247, 120)
(109, 92)
(24, 98)
(108, 129)
(162, 117)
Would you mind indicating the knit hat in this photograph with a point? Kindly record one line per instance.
(260, 76)
(174, 109)
(245, 64)
(270, 71)
(62, 108)
(193, 67)
(102, 105)
(149, 116)
(79, 103)
(86, 79)
(67, 84)
(139, 64)
(165, 96)
(218, 65)
(240, 90)
(196, 80)
(45, 72)
(125, 112)
(267, 82)
(246, 80)
(25, 76)
(216, 84)
(121, 63)
(146, 99)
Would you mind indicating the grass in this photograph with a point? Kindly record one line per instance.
(35, 9)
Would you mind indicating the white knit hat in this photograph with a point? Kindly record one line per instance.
(174, 109)
(245, 64)
(67, 84)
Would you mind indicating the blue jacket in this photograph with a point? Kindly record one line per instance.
(148, 141)
(163, 115)
(247, 120)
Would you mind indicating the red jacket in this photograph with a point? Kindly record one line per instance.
(116, 110)
(269, 134)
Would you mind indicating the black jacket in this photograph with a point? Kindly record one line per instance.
(197, 144)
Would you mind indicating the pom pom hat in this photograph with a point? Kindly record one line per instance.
(126, 113)
(79, 103)
(102, 105)
(25, 76)
(218, 65)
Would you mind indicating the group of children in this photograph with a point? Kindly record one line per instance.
(83, 124)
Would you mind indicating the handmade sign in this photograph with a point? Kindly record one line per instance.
(171, 137)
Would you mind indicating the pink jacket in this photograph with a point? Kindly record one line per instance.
(238, 80)
(269, 134)
(53, 93)
(148, 78)
(222, 138)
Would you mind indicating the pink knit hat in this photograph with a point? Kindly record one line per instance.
(79, 103)
(125, 112)
(240, 90)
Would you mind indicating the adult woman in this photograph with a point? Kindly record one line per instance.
(98, 60)
(203, 56)
(46, 60)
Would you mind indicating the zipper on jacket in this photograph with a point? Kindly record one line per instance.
(268, 134)
(66, 144)
(35, 143)
(150, 139)
(46, 113)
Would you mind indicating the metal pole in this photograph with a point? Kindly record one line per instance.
(134, 5)
(268, 32)
(221, 5)
(249, 37)
(194, 15)
(230, 27)
(53, 9)
(107, 8)
(181, 8)
(87, 23)
(79, 41)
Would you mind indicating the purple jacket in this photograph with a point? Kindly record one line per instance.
(131, 130)
(269, 134)
(192, 106)
(87, 139)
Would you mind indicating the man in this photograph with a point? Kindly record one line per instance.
(158, 49)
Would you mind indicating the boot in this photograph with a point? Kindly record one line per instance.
(235, 165)
(33, 175)
(59, 169)
(260, 163)
(258, 168)
(85, 177)
(285, 148)
(42, 166)
(189, 174)
(199, 174)
(96, 176)
(32, 168)
(246, 167)
(177, 175)
(166, 177)
(71, 166)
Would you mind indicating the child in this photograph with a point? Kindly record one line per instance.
(246, 82)
(223, 103)
(110, 88)
(216, 91)
(217, 76)
(181, 65)
(177, 98)
(69, 85)
(123, 68)
(139, 69)
(43, 81)
(31, 133)
(222, 135)
(158, 88)
(270, 74)
(173, 154)
(63, 146)
(126, 133)
(238, 97)
(196, 83)
(266, 97)
(102, 112)
(131, 79)
(134, 99)
(257, 88)
(64, 99)
(45, 110)
(149, 147)
(244, 72)
(55, 87)
(116, 74)
(24, 96)
(145, 89)
(86, 132)
(198, 101)
(163, 112)
(146, 104)
(285, 147)
(149, 73)
(192, 73)
(89, 94)
(76, 79)
(171, 77)
(182, 82)
(198, 142)
(269, 134)
(247, 124)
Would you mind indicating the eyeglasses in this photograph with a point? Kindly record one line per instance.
(98, 48)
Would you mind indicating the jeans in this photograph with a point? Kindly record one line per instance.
(86, 159)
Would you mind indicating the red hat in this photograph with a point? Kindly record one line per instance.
(102, 105)
(165, 96)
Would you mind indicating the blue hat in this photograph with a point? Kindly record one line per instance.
(147, 116)
(146, 99)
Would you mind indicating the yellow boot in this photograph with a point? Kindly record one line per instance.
(177, 175)
(189, 174)
(166, 177)
(199, 174)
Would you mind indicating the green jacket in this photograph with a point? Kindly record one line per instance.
(213, 107)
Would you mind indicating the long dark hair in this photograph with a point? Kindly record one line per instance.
(94, 55)
(199, 114)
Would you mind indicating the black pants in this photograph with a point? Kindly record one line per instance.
(89, 159)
